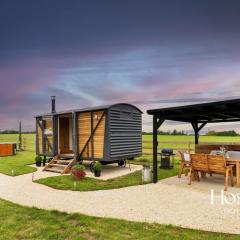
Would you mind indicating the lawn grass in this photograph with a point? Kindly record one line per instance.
(18, 222)
(17, 164)
(90, 184)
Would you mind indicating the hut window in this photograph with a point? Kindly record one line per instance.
(96, 117)
(48, 131)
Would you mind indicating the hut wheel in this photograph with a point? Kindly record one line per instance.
(122, 163)
(91, 166)
(80, 160)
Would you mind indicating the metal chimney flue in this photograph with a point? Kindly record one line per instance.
(53, 99)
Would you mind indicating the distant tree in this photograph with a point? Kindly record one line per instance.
(160, 132)
(222, 133)
(15, 132)
(147, 133)
(9, 132)
(174, 132)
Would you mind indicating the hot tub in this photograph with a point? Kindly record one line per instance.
(7, 149)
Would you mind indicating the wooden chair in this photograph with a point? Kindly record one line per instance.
(184, 164)
(210, 164)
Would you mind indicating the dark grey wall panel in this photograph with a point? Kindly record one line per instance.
(125, 130)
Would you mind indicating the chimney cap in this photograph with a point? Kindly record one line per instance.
(53, 104)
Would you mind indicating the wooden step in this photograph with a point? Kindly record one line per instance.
(57, 165)
(54, 169)
(66, 162)
(68, 156)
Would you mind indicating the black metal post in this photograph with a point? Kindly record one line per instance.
(197, 129)
(196, 136)
(44, 138)
(157, 122)
(53, 104)
(155, 147)
(92, 137)
(75, 135)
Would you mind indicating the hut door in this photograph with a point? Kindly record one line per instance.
(64, 133)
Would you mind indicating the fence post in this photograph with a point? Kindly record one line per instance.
(24, 144)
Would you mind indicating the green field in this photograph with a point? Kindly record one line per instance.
(18, 222)
(16, 165)
(147, 141)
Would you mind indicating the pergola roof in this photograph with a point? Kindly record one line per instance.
(198, 115)
(212, 112)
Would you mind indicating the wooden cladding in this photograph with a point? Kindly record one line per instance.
(84, 132)
(91, 129)
(98, 134)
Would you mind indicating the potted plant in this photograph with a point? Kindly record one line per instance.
(78, 171)
(44, 161)
(97, 168)
(38, 161)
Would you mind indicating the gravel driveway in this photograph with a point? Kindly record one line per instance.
(161, 203)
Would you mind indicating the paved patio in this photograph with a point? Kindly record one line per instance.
(215, 182)
(108, 172)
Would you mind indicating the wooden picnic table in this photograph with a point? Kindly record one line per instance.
(229, 161)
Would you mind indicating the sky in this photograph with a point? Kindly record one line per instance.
(150, 53)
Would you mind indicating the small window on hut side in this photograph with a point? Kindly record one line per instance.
(48, 131)
(126, 115)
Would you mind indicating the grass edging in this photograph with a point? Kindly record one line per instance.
(91, 184)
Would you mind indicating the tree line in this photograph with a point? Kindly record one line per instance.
(15, 132)
(222, 133)
(174, 132)
(231, 133)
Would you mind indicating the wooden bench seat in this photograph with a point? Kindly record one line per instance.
(205, 163)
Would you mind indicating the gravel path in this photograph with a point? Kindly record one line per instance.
(161, 203)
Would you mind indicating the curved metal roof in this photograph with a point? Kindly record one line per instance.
(89, 109)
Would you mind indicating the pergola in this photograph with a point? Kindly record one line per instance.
(198, 115)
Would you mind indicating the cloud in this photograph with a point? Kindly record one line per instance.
(152, 55)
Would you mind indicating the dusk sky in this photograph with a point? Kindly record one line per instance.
(87, 53)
